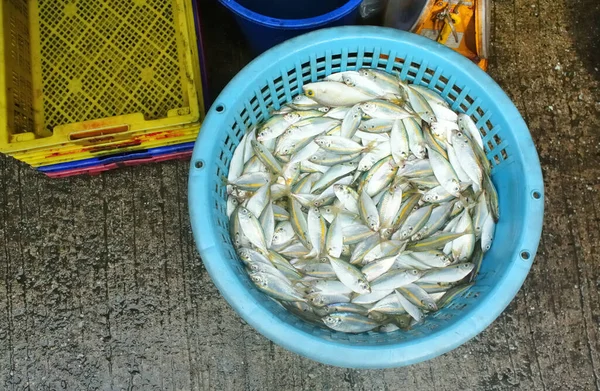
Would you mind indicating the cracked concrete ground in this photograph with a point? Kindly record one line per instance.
(102, 287)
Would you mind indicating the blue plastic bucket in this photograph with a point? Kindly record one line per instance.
(278, 75)
(265, 23)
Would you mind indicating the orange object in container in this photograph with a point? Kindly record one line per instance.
(462, 25)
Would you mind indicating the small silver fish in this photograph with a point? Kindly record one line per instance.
(448, 274)
(252, 181)
(384, 110)
(334, 241)
(334, 94)
(368, 211)
(395, 278)
(389, 305)
(349, 322)
(252, 229)
(350, 276)
(373, 297)
(275, 287)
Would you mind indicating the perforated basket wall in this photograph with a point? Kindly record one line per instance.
(75, 70)
(275, 78)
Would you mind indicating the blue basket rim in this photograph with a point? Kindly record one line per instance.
(481, 315)
(316, 21)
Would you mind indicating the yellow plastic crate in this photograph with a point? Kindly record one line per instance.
(69, 153)
(95, 71)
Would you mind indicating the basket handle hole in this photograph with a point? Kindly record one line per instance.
(536, 195)
(199, 164)
(220, 108)
(525, 255)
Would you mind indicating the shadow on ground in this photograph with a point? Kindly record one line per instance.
(585, 30)
(225, 49)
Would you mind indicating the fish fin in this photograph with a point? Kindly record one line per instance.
(369, 147)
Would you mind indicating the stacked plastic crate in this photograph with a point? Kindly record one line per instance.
(92, 85)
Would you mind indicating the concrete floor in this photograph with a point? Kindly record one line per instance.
(103, 289)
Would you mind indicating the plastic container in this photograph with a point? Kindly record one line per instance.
(117, 158)
(97, 169)
(206, 96)
(275, 78)
(92, 72)
(128, 143)
(265, 23)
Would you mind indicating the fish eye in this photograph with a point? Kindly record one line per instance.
(310, 93)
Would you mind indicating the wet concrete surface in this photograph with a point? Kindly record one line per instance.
(102, 288)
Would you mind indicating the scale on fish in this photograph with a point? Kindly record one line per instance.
(364, 204)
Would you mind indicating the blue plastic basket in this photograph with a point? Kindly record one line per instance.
(266, 23)
(275, 78)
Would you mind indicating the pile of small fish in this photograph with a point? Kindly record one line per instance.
(363, 204)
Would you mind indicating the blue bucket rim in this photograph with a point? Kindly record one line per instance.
(333, 352)
(268, 21)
